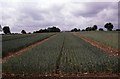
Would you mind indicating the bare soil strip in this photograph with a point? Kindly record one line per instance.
(60, 77)
(99, 45)
(57, 76)
(19, 52)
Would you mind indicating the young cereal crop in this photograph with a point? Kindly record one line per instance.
(108, 38)
(17, 36)
(10, 44)
(63, 54)
(81, 57)
(41, 59)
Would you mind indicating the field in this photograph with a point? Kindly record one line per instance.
(11, 43)
(61, 55)
(107, 38)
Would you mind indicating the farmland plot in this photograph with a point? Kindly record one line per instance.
(41, 59)
(17, 36)
(11, 43)
(62, 54)
(108, 38)
(81, 57)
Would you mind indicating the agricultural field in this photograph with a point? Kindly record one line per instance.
(62, 54)
(12, 43)
(109, 38)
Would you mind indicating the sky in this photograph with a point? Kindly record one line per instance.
(32, 15)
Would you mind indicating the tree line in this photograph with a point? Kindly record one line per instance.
(6, 30)
(49, 29)
(108, 26)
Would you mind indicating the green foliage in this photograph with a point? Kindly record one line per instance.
(13, 37)
(105, 37)
(41, 59)
(6, 30)
(13, 43)
(109, 26)
(23, 32)
(70, 53)
(79, 56)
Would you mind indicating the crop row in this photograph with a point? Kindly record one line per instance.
(13, 37)
(108, 38)
(41, 59)
(81, 57)
(14, 43)
(64, 53)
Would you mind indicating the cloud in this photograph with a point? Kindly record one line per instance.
(65, 14)
(90, 9)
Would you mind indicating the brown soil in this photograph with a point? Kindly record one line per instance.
(19, 52)
(56, 76)
(99, 45)
(60, 77)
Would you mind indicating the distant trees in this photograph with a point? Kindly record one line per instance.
(88, 29)
(101, 29)
(83, 29)
(6, 30)
(49, 29)
(53, 29)
(94, 27)
(23, 32)
(29, 32)
(75, 30)
(117, 29)
(109, 26)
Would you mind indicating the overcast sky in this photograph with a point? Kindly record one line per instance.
(33, 15)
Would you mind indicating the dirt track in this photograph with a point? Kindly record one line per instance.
(57, 76)
(60, 78)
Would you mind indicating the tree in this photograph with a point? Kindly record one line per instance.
(53, 29)
(49, 29)
(6, 30)
(88, 29)
(109, 26)
(29, 33)
(75, 30)
(78, 29)
(117, 29)
(94, 27)
(83, 29)
(101, 29)
(23, 32)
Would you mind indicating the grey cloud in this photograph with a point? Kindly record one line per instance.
(92, 9)
(41, 15)
(31, 16)
(6, 17)
(31, 11)
(35, 15)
